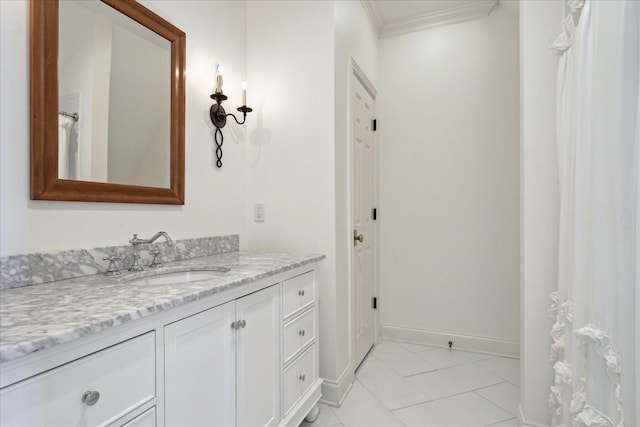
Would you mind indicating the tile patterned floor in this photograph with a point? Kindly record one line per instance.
(401, 384)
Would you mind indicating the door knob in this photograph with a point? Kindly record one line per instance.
(357, 237)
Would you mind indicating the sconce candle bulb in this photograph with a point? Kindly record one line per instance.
(219, 115)
(219, 71)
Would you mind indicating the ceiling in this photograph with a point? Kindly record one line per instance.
(394, 17)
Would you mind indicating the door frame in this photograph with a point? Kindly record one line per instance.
(354, 70)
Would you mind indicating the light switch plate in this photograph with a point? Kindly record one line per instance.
(258, 212)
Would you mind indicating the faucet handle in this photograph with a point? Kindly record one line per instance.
(113, 269)
(156, 261)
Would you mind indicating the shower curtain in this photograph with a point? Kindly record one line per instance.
(64, 138)
(596, 335)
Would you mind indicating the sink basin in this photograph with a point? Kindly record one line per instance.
(177, 277)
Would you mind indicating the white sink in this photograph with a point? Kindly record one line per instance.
(179, 277)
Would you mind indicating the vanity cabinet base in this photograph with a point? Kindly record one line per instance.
(219, 360)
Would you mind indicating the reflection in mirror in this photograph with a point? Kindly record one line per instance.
(114, 77)
(107, 103)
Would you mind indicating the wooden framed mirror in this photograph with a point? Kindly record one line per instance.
(58, 172)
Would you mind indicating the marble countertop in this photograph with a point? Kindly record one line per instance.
(34, 318)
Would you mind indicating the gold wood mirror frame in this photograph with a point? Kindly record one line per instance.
(45, 184)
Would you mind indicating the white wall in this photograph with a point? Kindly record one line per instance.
(291, 146)
(540, 23)
(355, 39)
(449, 193)
(215, 199)
(299, 148)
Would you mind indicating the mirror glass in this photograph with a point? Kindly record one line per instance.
(114, 97)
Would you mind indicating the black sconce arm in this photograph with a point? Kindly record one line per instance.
(219, 119)
(244, 110)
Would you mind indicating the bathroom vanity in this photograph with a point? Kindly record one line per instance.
(226, 339)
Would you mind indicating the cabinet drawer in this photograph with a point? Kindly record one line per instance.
(146, 419)
(298, 333)
(123, 375)
(299, 377)
(298, 293)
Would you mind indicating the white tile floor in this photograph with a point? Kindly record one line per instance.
(402, 384)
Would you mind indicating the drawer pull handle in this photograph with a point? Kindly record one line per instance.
(302, 377)
(243, 323)
(90, 398)
(234, 325)
(301, 332)
(301, 292)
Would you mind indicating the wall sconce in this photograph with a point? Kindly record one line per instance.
(219, 115)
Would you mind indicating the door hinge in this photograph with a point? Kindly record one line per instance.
(374, 125)
(374, 303)
(374, 215)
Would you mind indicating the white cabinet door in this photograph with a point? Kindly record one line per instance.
(200, 369)
(258, 358)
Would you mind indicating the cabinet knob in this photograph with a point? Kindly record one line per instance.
(301, 332)
(238, 324)
(302, 377)
(90, 398)
(301, 292)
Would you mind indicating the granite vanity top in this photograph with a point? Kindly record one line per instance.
(34, 318)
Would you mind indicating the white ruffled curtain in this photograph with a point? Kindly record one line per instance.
(596, 335)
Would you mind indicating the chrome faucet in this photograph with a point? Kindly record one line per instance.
(136, 242)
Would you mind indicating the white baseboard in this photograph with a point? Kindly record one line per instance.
(334, 392)
(495, 346)
(523, 423)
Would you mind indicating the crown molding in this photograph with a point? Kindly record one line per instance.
(371, 8)
(454, 15)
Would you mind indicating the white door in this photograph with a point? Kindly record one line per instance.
(258, 358)
(200, 369)
(362, 115)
